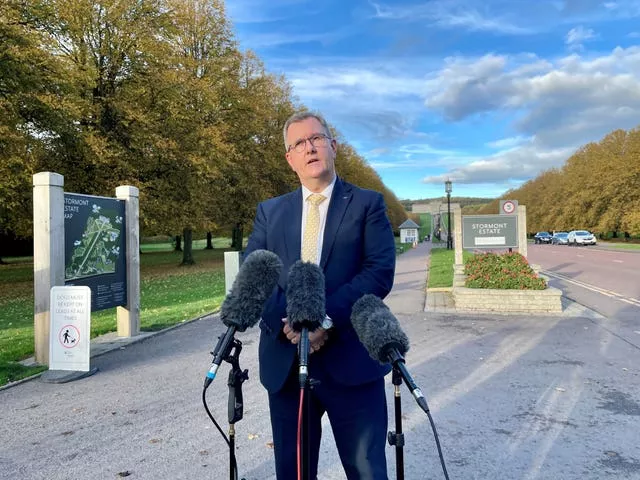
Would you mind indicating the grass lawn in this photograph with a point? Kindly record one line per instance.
(441, 267)
(620, 246)
(170, 294)
(218, 242)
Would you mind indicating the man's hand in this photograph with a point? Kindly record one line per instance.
(317, 338)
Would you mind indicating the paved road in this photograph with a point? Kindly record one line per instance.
(617, 271)
(605, 280)
(512, 397)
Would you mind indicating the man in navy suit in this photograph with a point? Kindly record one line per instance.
(355, 250)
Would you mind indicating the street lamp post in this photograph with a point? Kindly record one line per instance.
(447, 188)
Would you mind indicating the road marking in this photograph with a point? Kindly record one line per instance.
(617, 261)
(593, 288)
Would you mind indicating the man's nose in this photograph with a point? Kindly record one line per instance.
(310, 147)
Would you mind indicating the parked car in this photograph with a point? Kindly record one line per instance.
(559, 238)
(542, 237)
(581, 237)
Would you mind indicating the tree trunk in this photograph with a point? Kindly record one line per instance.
(209, 242)
(236, 237)
(178, 244)
(187, 254)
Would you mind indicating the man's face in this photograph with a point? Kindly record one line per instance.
(314, 165)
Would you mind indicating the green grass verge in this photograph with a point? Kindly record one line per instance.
(218, 242)
(401, 247)
(441, 267)
(170, 294)
(621, 246)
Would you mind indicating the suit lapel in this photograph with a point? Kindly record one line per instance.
(292, 232)
(340, 199)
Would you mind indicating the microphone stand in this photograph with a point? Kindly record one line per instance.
(235, 409)
(397, 438)
(397, 360)
(303, 377)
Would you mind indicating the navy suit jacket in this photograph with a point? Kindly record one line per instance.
(358, 257)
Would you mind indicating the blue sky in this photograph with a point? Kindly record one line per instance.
(488, 93)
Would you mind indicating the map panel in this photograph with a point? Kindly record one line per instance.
(95, 253)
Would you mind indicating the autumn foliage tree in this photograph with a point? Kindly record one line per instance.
(151, 93)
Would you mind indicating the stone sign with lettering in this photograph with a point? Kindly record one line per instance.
(489, 231)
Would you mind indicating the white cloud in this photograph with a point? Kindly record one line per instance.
(275, 39)
(422, 149)
(348, 81)
(577, 36)
(374, 99)
(376, 152)
(395, 164)
(450, 15)
(556, 106)
(508, 142)
(564, 102)
(516, 164)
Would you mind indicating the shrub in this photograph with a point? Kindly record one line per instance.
(506, 271)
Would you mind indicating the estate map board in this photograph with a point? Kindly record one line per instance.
(94, 240)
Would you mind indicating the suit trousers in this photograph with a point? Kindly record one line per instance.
(358, 419)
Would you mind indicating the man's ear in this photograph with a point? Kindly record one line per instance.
(289, 161)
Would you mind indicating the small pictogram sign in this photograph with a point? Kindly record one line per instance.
(508, 207)
(69, 336)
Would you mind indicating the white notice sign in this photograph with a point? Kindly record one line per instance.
(490, 240)
(69, 338)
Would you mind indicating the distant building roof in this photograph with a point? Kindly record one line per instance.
(409, 224)
(433, 207)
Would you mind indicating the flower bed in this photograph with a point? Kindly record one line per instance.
(506, 271)
(504, 284)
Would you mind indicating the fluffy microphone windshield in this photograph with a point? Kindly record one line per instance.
(252, 287)
(377, 328)
(305, 296)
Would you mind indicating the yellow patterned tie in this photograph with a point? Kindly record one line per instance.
(312, 229)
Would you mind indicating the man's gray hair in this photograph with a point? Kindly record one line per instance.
(299, 117)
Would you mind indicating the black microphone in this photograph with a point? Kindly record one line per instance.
(380, 333)
(243, 306)
(305, 307)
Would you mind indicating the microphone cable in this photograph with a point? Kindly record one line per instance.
(299, 439)
(232, 454)
(425, 408)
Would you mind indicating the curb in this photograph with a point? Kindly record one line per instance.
(143, 336)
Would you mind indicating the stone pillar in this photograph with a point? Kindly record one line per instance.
(522, 230)
(48, 254)
(128, 317)
(457, 231)
(231, 269)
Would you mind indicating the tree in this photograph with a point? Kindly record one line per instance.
(34, 110)
(256, 168)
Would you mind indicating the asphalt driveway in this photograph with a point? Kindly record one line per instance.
(513, 397)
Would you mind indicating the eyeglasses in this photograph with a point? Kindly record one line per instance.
(317, 140)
